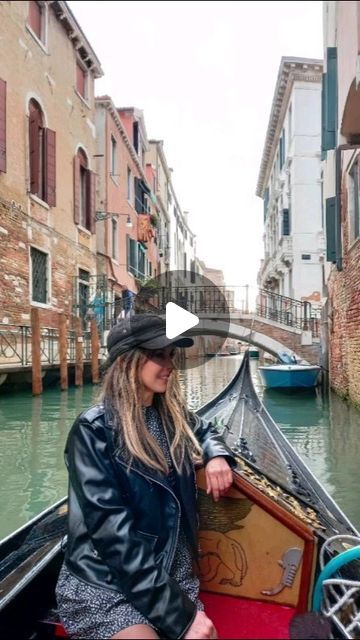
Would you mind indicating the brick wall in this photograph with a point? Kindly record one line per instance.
(344, 321)
(17, 233)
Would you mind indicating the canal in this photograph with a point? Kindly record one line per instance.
(324, 431)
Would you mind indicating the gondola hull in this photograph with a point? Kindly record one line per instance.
(259, 546)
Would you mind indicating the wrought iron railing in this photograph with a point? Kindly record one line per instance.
(16, 343)
(16, 346)
(298, 314)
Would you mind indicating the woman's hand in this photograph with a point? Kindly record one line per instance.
(202, 628)
(218, 477)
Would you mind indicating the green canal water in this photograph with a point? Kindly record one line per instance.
(324, 431)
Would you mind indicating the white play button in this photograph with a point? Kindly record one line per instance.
(178, 320)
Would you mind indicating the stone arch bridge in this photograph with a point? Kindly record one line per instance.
(267, 335)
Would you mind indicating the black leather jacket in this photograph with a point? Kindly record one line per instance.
(124, 522)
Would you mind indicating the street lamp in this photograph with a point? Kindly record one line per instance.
(104, 215)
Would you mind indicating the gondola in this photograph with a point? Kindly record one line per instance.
(278, 558)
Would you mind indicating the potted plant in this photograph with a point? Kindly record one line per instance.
(154, 220)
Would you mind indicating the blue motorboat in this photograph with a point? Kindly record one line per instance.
(289, 374)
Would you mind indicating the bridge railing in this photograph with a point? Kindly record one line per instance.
(298, 314)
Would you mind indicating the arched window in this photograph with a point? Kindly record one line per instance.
(84, 193)
(42, 156)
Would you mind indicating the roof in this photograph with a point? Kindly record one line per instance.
(77, 36)
(291, 69)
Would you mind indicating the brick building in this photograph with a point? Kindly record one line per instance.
(47, 172)
(341, 189)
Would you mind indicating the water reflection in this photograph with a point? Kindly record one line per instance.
(33, 431)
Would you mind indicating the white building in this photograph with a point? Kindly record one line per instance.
(182, 242)
(290, 185)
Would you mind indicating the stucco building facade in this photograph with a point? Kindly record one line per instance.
(290, 185)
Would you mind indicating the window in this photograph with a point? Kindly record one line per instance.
(114, 238)
(36, 20)
(42, 156)
(39, 276)
(354, 198)
(135, 258)
(305, 256)
(285, 222)
(84, 193)
(2, 126)
(129, 183)
(83, 294)
(329, 99)
(266, 202)
(290, 125)
(81, 80)
(131, 256)
(113, 157)
(141, 260)
(136, 136)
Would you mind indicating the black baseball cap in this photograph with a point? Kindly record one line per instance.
(141, 331)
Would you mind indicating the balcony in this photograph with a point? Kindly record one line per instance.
(284, 253)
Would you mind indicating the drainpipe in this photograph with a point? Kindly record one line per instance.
(338, 180)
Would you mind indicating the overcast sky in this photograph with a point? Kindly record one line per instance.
(204, 74)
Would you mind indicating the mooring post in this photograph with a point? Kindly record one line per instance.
(37, 386)
(95, 347)
(79, 364)
(64, 381)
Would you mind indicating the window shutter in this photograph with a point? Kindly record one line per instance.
(331, 99)
(76, 189)
(127, 252)
(2, 125)
(331, 229)
(323, 117)
(34, 149)
(50, 167)
(90, 214)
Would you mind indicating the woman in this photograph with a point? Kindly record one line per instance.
(132, 497)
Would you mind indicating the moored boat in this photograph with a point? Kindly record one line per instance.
(289, 376)
(265, 547)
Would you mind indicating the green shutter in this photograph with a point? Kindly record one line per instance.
(127, 252)
(331, 99)
(331, 229)
(323, 117)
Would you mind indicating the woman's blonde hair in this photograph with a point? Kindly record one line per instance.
(121, 391)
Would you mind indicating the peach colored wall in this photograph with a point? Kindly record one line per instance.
(116, 201)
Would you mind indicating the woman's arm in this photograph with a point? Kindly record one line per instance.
(218, 457)
(211, 441)
(109, 520)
